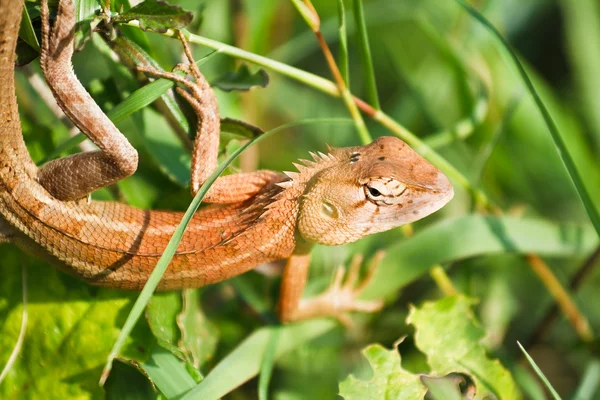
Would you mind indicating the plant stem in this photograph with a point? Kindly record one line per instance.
(328, 87)
(563, 300)
(307, 8)
(365, 53)
(442, 280)
(543, 327)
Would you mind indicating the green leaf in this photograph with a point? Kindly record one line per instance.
(343, 47)
(70, 330)
(26, 31)
(128, 383)
(245, 361)
(169, 154)
(582, 28)
(540, 374)
(199, 336)
(588, 202)
(390, 380)
(240, 128)
(445, 388)
(267, 366)
(365, 54)
(161, 314)
(242, 80)
(28, 47)
(590, 382)
(133, 54)
(475, 235)
(447, 332)
(156, 15)
(168, 373)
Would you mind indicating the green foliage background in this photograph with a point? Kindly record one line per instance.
(438, 73)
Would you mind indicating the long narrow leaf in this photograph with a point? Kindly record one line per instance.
(168, 373)
(26, 31)
(540, 374)
(455, 239)
(590, 382)
(171, 248)
(582, 30)
(365, 54)
(588, 203)
(343, 53)
(267, 365)
(244, 362)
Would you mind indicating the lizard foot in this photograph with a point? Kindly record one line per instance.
(343, 296)
(197, 87)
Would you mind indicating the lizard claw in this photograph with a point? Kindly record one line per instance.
(342, 296)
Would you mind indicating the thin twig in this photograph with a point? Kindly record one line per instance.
(563, 299)
(313, 20)
(577, 280)
(442, 280)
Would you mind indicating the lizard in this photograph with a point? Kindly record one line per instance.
(255, 217)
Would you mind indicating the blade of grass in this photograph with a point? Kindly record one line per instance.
(463, 128)
(267, 365)
(26, 31)
(588, 203)
(582, 29)
(343, 47)
(486, 150)
(590, 382)
(244, 362)
(313, 22)
(365, 54)
(24, 317)
(456, 239)
(168, 373)
(540, 374)
(171, 248)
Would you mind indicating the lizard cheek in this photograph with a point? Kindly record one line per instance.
(329, 210)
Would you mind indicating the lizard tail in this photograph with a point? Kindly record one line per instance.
(14, 158)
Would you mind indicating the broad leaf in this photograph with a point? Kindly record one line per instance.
(242, 79)
(240, 128)
(70, 330)
(390, 380)
(448, 334)
(156, 15)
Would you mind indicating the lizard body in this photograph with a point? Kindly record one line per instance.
(264, 216)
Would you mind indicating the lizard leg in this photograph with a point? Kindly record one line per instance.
(341, 297)
(204, 103)
(228, 189)
(78, 175)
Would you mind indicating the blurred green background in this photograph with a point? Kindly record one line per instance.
(438, 72)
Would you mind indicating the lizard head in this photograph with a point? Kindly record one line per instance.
(357, 191)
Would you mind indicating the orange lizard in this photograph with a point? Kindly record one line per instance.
(261, 216)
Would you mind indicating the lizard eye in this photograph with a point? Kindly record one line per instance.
(384, 191)
(373, 192)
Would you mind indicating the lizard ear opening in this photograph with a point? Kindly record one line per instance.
(329, 210)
